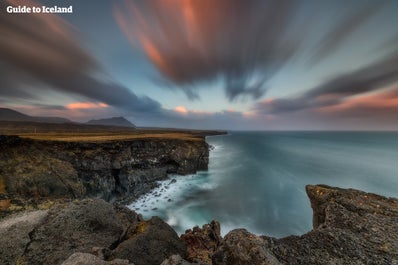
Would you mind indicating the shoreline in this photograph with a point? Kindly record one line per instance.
(116, 170)
(349, 226)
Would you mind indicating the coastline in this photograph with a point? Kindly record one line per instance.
(350, 226)
(67, 228)
(37, 173)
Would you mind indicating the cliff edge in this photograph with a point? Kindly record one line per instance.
(32, 171)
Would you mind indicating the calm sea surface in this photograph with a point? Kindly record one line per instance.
(256, 180)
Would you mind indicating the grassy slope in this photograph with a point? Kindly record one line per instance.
(95, 133)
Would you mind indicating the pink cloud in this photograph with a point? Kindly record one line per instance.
(86, 105)
(181, 109)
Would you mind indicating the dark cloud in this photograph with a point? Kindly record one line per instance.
(43, 50)
(242, 43)
(333, 92)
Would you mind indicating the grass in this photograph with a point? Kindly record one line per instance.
(104, 137)
(72, 132)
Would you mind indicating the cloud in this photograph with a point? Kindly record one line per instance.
(343, 26)
(384, 102)
(43, 50)
(181, 109)
(242, 43)
(371, 78)
(86, 105)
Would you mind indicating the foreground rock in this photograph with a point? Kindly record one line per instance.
(150, 242)
(350, 227)
(202, 242)
(90, 226)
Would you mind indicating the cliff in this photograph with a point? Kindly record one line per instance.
(33, 170)
(350, 227)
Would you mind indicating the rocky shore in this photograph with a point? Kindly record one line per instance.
(350, 227)
(57, 202)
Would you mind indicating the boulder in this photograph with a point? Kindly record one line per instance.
(240, 247)
(75, 227)
(150, 242)
(14, 234)
(202, 242)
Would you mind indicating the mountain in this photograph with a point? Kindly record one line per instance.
(12, 115)
(115, 121)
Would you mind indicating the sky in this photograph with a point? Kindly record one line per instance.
(205, 64)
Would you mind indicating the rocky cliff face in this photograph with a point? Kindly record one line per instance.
(109, 170)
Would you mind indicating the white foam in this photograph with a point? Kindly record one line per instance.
(163, 199)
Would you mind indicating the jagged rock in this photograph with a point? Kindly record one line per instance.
(240, 247)
(350, 227)
(176, 260)
(150, 242)
(76, 227)
(90, 259)
(202, 242)
(14, 234)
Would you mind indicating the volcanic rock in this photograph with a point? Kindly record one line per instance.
(150, 242)
(202, 242)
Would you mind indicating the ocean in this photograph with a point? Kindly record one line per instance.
(256, 180)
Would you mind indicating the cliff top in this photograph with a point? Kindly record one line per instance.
(105, 137)
(95, 133)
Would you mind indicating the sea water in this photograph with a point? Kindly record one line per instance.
(256, 180)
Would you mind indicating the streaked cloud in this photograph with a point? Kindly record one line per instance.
(242, 43)
(336, 91)
(44, 51)
(86, 105)
(343, 25)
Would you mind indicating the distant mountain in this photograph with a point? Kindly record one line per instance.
(115, 121)
(12, 115)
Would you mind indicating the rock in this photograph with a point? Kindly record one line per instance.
(240, 247)
(76, 227)
(201, 243)
(150, 242)
(90, 259)
(14, 234)
(176, 260)
(32, 170)
(350, 227)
